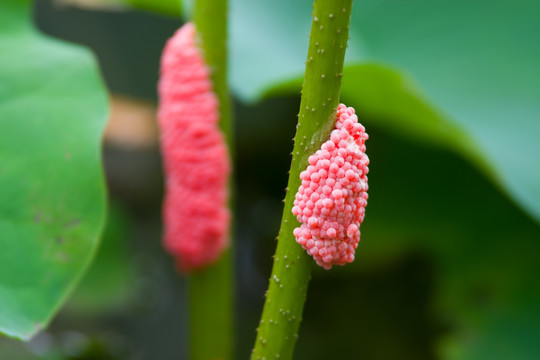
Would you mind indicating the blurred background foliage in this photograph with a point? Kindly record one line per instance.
(52, 189)
(448, 264)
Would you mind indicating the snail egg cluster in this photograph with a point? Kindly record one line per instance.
(330, 203)
(195, 157)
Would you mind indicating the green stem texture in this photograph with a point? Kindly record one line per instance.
(211, 290)
(291, 272)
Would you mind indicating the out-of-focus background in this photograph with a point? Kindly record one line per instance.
(448, 263)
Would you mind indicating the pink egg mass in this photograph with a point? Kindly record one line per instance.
(195, 157)
(330, 204)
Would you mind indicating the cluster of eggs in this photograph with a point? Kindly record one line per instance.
(330, 203)
(195, 157)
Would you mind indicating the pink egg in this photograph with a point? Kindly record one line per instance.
(337, 175)
(195, 157)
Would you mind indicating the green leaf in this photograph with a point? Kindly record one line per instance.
(53, 109)
(165, 7)
(109, 282)
(460, 74)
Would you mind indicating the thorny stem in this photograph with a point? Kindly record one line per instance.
(211, 290)
(278, 328)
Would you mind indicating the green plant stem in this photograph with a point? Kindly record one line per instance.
(211, 311)
(211, 290)
(282, 313)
